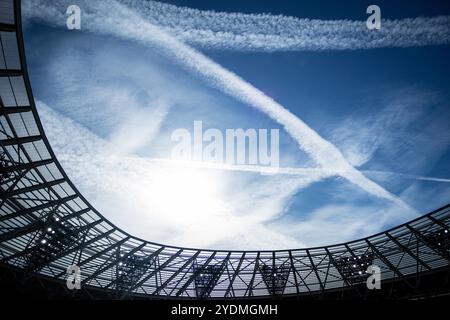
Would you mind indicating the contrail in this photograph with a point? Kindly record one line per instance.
(406, 176)
(267, 32)
(112, 18)
(315, 172)
(318, 172)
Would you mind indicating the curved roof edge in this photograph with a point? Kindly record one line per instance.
(47, 225)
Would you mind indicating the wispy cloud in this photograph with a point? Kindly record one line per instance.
(239, 213)
(244, 218)
(210, 210)
(317, 172)
(405, 124)
(337, 223)
(266, 32)
(139, 128)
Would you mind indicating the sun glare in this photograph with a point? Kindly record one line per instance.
(186, 195)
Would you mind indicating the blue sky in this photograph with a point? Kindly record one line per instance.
(110, 100)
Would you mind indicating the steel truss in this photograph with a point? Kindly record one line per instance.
(46, 225)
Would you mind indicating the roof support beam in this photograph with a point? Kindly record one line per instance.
(187, 263)
(236, 272)
(83, 244)
(249, 290)
(147, 259)
(19, 232)
(35, 226)
(30, 250)
(439, 222)
(6, 27)
(12, 110)
(112, 264)
(97, 255)
(21, 140)
(10, 72)
(405, 249)
(424, 240)
(384, 259)
(36, 187)
(165, 264)
(294, 272)
(195, 274)
(28, 166)
(333, 262)
(315, 270)
(38, 208)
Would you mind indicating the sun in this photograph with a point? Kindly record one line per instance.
(186, 195)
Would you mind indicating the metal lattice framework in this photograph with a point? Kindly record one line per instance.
(46, 225)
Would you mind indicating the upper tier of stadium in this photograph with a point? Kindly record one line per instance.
(46, 225)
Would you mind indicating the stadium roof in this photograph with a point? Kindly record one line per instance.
(46, 225)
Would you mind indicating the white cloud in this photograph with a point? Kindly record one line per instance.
(337, 223)
(242, 221)
(168, 203)
(389, 119)
(406, 135)
(110, 17)
(196, 205)
(139, 128)
(266, 32)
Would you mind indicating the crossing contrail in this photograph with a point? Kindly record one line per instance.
(317, 172)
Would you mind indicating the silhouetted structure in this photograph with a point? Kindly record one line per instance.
(46, 226)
